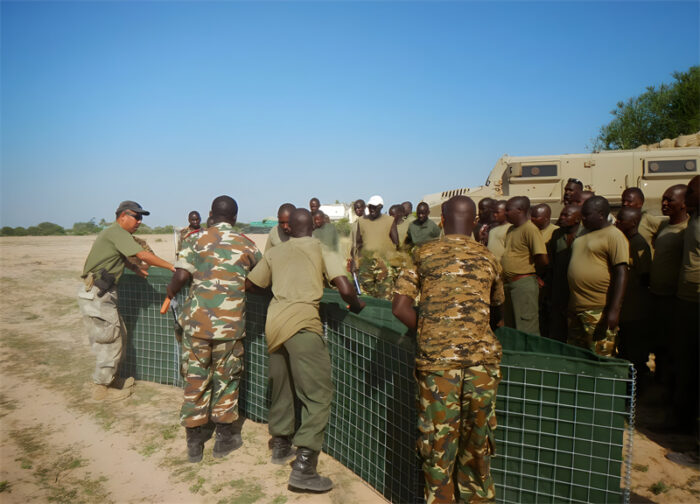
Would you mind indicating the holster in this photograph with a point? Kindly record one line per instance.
(104, 281)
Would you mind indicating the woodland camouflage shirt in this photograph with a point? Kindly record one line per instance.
(219, 260)
(458, 281)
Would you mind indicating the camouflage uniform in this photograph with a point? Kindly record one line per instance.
(588, 329)
(376, 276)
(458, 358)
(213, 322)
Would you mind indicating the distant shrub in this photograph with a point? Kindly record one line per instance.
(86, 228)
(343, 226)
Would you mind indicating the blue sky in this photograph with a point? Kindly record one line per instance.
(174, 103)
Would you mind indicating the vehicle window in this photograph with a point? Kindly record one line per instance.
(540, 170)
(671, 166)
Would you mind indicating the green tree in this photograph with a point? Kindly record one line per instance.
(85, 228)
(666, 112)
(343, 226)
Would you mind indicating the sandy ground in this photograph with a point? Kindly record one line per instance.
(58, 446)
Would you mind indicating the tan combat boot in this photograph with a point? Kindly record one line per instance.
(99, 392)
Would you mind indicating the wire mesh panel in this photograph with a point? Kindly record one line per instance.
(562, 411)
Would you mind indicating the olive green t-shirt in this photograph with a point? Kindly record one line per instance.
(547, 232)
(375, 234)
(421, 233)
(522, 244)
(275, 237)
(668, 255)
(648, 227)
(295, 269)
(593, 255)
(497, 240)
(328, 236)
(689, 277)
(110, 250)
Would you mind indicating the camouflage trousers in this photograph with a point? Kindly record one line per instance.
(588, 329)
(214, 370)
(376, 277)
(105, 330)
(456, 420)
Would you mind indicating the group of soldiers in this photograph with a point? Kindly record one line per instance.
(617, 285)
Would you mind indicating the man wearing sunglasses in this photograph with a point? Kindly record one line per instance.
(97, 298)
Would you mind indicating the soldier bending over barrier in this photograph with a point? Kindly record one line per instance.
(458, 356)
(300, 366)
(97, 299)
(213, 320)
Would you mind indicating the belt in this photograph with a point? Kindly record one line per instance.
(518, 277)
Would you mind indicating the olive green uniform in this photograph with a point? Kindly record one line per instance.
(648, 227)
(497, 240)
(458, 365)
(106, 331)
(522, 244)
(420, 233)
(328, 236)
(275, 237)
(593, 256)
(299, 361)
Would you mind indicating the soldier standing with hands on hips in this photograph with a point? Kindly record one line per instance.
(97, 298)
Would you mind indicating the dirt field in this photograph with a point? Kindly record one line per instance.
(58, 446)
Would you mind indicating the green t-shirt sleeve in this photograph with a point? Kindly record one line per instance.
(332, 264)
(125, 243)
(536, 241)
(434, 230)
(619, 248)
(262, 274)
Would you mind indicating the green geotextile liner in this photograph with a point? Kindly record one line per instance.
(561, 410)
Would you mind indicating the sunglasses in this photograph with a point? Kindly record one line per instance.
(138, 217)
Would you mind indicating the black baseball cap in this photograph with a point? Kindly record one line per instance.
(133, 206)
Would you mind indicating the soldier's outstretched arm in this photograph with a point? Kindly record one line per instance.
(153, 260)
(180, 278)
(347, 292)
(402, 308)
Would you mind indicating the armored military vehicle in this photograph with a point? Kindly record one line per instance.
(652, 168)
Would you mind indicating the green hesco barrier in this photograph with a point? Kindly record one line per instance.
(562, 411)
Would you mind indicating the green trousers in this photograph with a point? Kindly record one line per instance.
(301, 368)
(522, 305)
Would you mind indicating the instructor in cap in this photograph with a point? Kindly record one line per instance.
(97, 297)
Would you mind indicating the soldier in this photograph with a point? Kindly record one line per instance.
(685, 397)
(407, 209)
(422, 229)
(649, 224)
(324, 232)
(572, 191)
(597, 277)
(663, 283)
(397, 212)
(280, 232)
(582, 197)
(376, 244)
(97, 298)
(524, 255)
(359, 208)
(300, 366)
(634, 344)
(496, 240)
(314, 204)
(541, 216)
(458, 356)
(194, 227)
(213, 319)
(485, 210)
(559, 254)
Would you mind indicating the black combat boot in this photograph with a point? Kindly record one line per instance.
(227, 440)
(304, 475)
(195, 444)
(281, 449)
